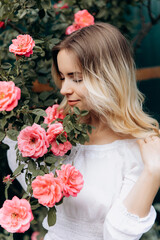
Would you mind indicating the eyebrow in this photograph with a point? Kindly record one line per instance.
(71, 73)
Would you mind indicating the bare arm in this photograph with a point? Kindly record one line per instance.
(140, 198)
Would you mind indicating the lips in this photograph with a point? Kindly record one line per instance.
(73, 102)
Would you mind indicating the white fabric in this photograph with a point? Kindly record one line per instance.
(97, 213)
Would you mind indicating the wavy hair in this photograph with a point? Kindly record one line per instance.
(108, 71)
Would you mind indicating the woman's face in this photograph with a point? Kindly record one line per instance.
(72, 81)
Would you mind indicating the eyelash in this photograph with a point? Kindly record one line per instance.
(76, 81)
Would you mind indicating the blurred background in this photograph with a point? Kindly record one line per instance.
(46, 21)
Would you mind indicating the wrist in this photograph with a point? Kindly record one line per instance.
(153, 174)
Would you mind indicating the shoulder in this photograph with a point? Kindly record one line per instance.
(133, 164)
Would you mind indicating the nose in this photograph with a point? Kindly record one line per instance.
(66, 88)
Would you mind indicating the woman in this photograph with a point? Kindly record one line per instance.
(94, 70)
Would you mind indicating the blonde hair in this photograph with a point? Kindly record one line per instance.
(108, 71)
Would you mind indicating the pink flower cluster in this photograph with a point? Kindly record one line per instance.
(81, 19)
(16, 215)
(23, 45)
(33, 141)
(9, 95)
(50, 190)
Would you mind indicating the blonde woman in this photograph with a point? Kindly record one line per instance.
(94, 69)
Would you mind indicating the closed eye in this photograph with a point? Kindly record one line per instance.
(78, 80)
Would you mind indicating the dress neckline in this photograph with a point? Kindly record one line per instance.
(113, 144)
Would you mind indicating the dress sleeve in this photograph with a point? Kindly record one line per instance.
(11, 155)
(119, 223)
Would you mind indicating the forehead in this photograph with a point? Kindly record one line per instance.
(67, 62)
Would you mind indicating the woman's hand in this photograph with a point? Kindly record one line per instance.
(150, 151)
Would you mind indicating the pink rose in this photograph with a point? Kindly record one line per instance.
(47, 189)
(61, 149)
(72, 180)
(53, 113)
(23, 45)
(32, 141)
(83, 18)
(2, 24)
(53, 131)
(16, 215)
(9, 95)
(35, 235)
(72, 28)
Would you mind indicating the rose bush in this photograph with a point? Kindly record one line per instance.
(46, 25)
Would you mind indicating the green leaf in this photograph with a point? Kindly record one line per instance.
(27, 118)
(32, 166)
(38, 173)
(36, 120)
(65, 120)
(6, 66)
(2, 135)
(39, 112)
(52, 167)
(3, 122)
(89, 128)
(81, 139)
(44, 95)
(69, 127)
(84, 113)
(37, 49)
(38, 41)
(51, 159)
(52, 216)
(46, 4)
(35, 206)
(49, 102)
(18, 169)
(76, 110)
(44, 125)
(12, 134)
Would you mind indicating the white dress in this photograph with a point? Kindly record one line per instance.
(97, 213)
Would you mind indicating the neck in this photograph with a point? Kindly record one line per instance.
(102, 134)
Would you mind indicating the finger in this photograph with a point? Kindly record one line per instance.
(148, 139)
(155, 138)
